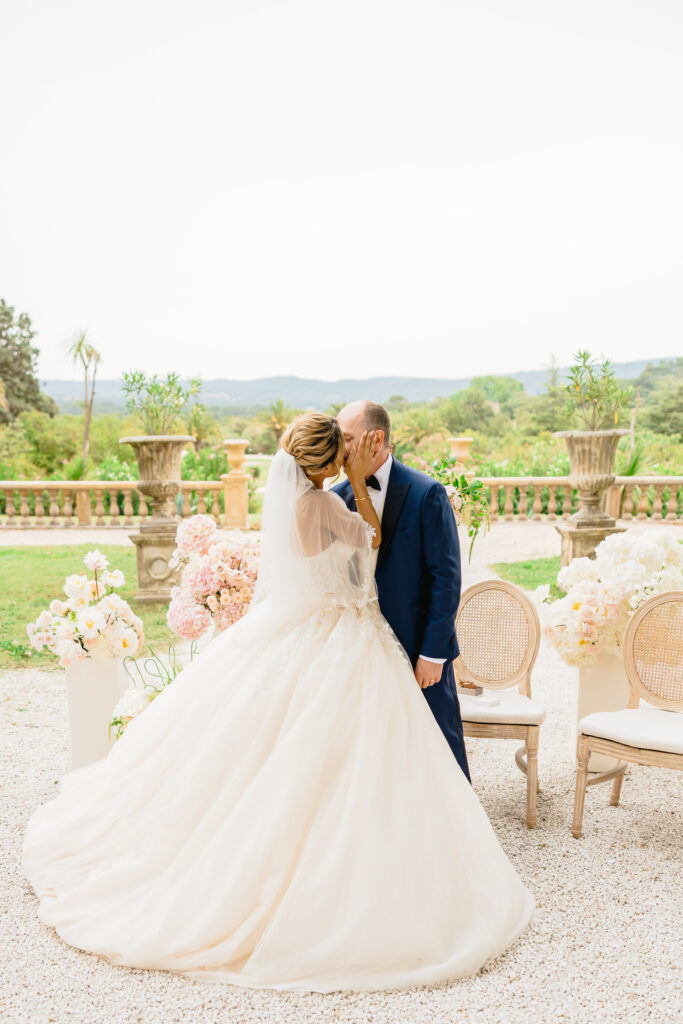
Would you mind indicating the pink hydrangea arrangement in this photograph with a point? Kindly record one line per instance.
(217, 582)
(93, 621)
(603, 592)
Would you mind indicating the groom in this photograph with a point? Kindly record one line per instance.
(418, 566)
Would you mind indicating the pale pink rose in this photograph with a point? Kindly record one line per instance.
(201, 578)
(194, 535)
(185, 617)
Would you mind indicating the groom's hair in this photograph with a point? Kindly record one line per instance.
(376, 417)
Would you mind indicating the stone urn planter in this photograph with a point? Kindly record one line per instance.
(591, 472)
(93, 689)
(602, 686)
(158, 458)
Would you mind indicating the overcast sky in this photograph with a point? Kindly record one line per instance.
(344, 188)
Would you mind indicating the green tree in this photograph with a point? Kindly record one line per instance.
(504, 392)
(466, 410)
(397, 403)
(656, 374)
(665, 413)
(81, 351)
(18, 358)
(549, 411)
(414, 427)
(203, 426)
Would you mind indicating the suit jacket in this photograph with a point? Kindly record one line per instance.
(418, 583)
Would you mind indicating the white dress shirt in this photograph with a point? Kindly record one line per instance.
(378, 499)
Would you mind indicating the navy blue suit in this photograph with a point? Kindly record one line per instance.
(418, 583)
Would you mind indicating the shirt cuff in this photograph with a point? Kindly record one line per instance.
(437, 661)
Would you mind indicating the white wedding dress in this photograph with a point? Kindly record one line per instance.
(287, 814)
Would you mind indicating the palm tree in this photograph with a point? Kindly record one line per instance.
(81, 351)
(279, 419)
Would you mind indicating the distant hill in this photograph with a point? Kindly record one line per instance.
(245, 396)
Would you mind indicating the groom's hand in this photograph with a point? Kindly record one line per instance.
(427, 673)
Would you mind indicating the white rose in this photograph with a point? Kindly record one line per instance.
(95, 562)
(131, 703)
(124, 643)
(115, 578)
(77, 586)
(90, 622)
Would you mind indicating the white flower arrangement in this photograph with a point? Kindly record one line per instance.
(603, 592)
(92, 622)
(154, 674)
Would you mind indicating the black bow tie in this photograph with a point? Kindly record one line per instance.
(373, 482)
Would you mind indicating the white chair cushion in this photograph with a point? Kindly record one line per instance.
(647, 728)
(514, 709)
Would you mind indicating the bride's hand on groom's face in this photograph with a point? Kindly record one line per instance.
(362, 457)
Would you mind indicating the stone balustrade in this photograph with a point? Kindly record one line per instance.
(96, 503)
(119, 503)
(518, 499)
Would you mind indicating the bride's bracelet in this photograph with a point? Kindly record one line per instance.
(366, 498)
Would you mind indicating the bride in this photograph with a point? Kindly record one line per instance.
(287, 814)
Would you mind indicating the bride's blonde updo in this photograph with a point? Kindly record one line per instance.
(314, 440)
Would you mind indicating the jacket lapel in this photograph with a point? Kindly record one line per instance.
(397, 492)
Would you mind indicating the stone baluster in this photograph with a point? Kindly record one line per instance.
(187, 507)
(201, 502)
(538, 504)
(9, 508)
(68, 508)
(114, 507)
(508, 510)
(24, 508)
(143, 511)
(657, 504)
(628, 501)
(39, 519)
(521, 507)
(215, 505)
(99, 506)
(672, 504)
(128, 506)
(495, 496)
(54, 507)
(552, 501)
(642, 505)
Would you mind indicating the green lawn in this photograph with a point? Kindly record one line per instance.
(34, 576)
(531, 574)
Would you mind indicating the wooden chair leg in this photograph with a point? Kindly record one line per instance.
(531, 775)
(582, 755)
(616, 788)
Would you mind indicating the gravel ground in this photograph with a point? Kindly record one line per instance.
(604, 946)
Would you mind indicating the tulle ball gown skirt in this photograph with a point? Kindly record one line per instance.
(286, 815)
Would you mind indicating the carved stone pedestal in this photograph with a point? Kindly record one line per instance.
(580, 541)
(158, 459)
(591, 472)
(236, 486)
(154, 549)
